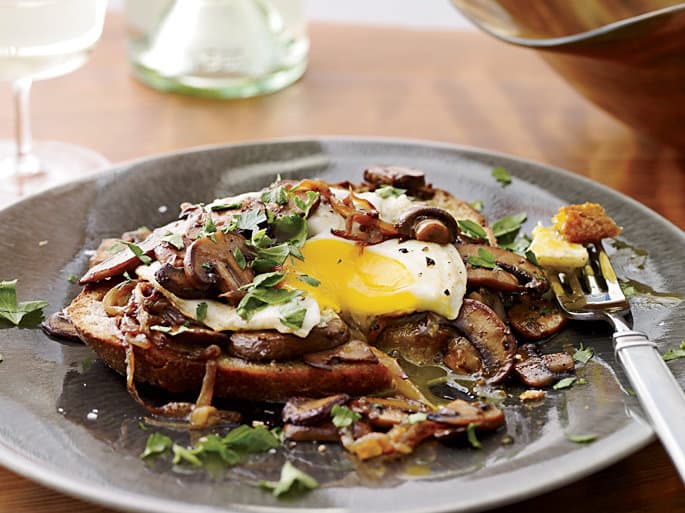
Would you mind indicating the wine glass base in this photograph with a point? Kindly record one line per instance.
(51, 163)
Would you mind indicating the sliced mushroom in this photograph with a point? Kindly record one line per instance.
(462, 357)
(210, 262)
(306, 411)
(490, 298)
(386, 412)
(490, 336)
(428, 224)
(354, 351)
(59, 326)
(535, 319)
(412, 180)
(538, 370)
(513, 273)
(175, 280)
(321, 433)
(272, 345)
(460, 413)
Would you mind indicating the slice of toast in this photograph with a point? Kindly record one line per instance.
(236, 378)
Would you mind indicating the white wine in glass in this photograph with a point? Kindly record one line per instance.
(42, 39)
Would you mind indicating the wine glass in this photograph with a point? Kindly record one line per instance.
(41, 39)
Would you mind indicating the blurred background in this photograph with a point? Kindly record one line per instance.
(424, 14)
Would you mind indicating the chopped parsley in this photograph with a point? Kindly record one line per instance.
(342, 416)
(313, 282)
(471, 436)
(262, 292)
(506, 228)
(417, 417)
(216, 207)
(675, 353)
(72, 278)
(278, 195)
(306, 204)
(484, 259)
(201, 311)
(292, 315)
(385, 191)
(477, 205)
(239, 258)
(530, 256)
(251, 219)
(175, 239)
(13, 311)
(581, 439)
(501, 175)
(292, 481)
(472, 229)
(135, 249)
(208, 230)
(183, 455)
(564, 383)
(583, 354)
(156, 444)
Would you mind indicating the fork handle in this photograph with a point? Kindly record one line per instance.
(661, 396)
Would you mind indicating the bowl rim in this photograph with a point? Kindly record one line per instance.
(553, 42)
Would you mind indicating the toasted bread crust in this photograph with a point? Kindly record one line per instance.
(236, 378)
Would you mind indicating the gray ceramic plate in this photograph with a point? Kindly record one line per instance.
(68, 422)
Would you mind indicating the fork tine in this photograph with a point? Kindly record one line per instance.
(608, 273)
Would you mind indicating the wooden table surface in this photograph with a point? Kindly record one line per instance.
(458, 87)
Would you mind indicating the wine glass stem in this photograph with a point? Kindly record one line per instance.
(26, 163)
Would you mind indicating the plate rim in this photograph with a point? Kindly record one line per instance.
(635, 435)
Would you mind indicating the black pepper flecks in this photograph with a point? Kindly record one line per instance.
(404, 250)
(446, 292)
(430, 261)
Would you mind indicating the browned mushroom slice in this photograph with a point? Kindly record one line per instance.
(535, 319)
(490, 298)
(272, 345)
(321, 433)
(120, 262)
(386, 412)
(419, 338)
(412, 180)
(461, 210)
(306, 411)
(354, 351)
(211, 262)
(462, 357)
(428, 224)
(460, 414)
(490, 336)
(529, 277)
(175, 280)
(59, 326)
(538, 370)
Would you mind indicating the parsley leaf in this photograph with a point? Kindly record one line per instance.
(417, 417)
(239, 258)
(471, 229)
(251, 219)
(72, 278)
(342, 416)
(583, 354)
(291, 228)
(471, 436)
(313, 282)
(135, 249)
(182, 454)
(156, 444)
(564, 383)
(675, 353)
(501, 175)
(175, 239)
(530, 256)
(484, 259)
(292, 481)
(506, 228)
(266, 280)
(292, 315)
(477, 205)
(11, 310)
(261, 292)
(306, 205)
(248, 439)
(278, 195)
(385, 191)
(581, 439)
(201, 311)
(214, 444)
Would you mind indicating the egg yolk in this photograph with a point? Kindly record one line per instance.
(352, 278)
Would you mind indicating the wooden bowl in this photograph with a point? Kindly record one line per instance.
(627, 57)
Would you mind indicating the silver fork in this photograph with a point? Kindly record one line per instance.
(594, 293)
